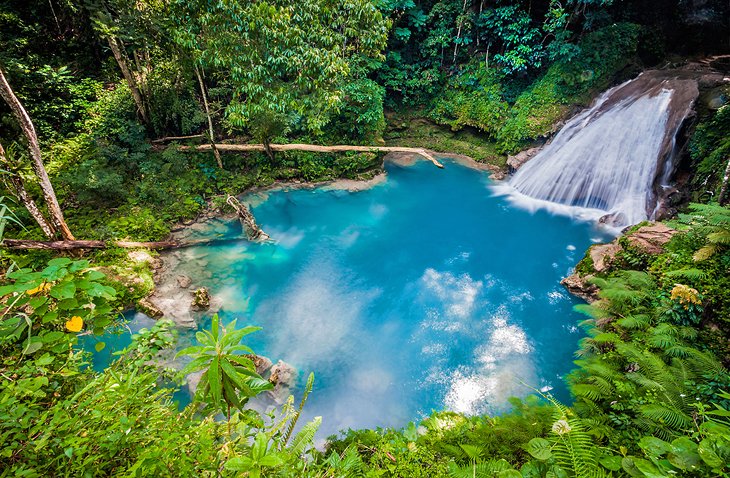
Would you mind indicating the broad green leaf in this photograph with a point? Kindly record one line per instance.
(32, 347)
(99, 346)
(612, 463)
(684, 454)
(271, 460)
(539, 448)
(654, 447)
(509, 474)
(708, 451)
(63, 290)
(59, 261)
(649, 469)
(239, 463)
(215, 327)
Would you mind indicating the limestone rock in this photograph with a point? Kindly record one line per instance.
(184, 281)
(201, 300)
(652, 238)
(193, 380)
(578, 286)
(149, 308)
(282, 378)
(262, 364)
(602, 255)
(515, 162)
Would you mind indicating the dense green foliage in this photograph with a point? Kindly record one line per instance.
(649, 392)
(101, 79)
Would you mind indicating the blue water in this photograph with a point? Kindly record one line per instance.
(422, 293)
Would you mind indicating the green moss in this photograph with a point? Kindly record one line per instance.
(603, 54)
(413, 129)
(585, 266)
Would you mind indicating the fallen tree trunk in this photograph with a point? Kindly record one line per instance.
(317, 149)
(76, 245)
(168, 139)
(248, 222)
(72, 245)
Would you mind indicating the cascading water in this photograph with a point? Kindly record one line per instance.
(611, 161)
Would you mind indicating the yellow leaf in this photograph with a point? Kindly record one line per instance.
(41, 288)
(75, 324)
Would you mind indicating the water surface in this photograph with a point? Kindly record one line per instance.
(424, 292)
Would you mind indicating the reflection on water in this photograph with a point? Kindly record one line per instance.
(424, 292)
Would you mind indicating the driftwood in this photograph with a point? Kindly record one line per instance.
(248, 222)
(317, 149)
(167, 139)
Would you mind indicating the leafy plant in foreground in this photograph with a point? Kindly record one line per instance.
(229, 380)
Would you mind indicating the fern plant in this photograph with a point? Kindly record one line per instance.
(713, 222)
(569, 449)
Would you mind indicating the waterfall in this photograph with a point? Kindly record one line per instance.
(611, 161)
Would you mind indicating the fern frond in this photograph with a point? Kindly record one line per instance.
(705, 252)
(295, 418)
(661, 341)
(305, 438)
(635, 322)
(663, 415)
(690, 274)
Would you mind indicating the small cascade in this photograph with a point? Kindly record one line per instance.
(611, 162)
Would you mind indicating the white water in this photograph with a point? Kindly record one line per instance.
(604, 162)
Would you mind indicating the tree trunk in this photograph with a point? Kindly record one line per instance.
(248, 222)
(168, 139)
(211, 134)
(458, 32)
(723, 197)
(35, 153)
(318, 149)
(21, 193)
(121, 57)
(73, 245)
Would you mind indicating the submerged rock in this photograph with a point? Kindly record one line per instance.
(184, 281)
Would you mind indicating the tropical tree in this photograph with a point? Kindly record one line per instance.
(286, 61)
(57, 222)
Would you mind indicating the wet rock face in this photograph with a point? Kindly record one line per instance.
(516, 161)
(184, 281)
(602, 255)
(149, 308)
(578, 286)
